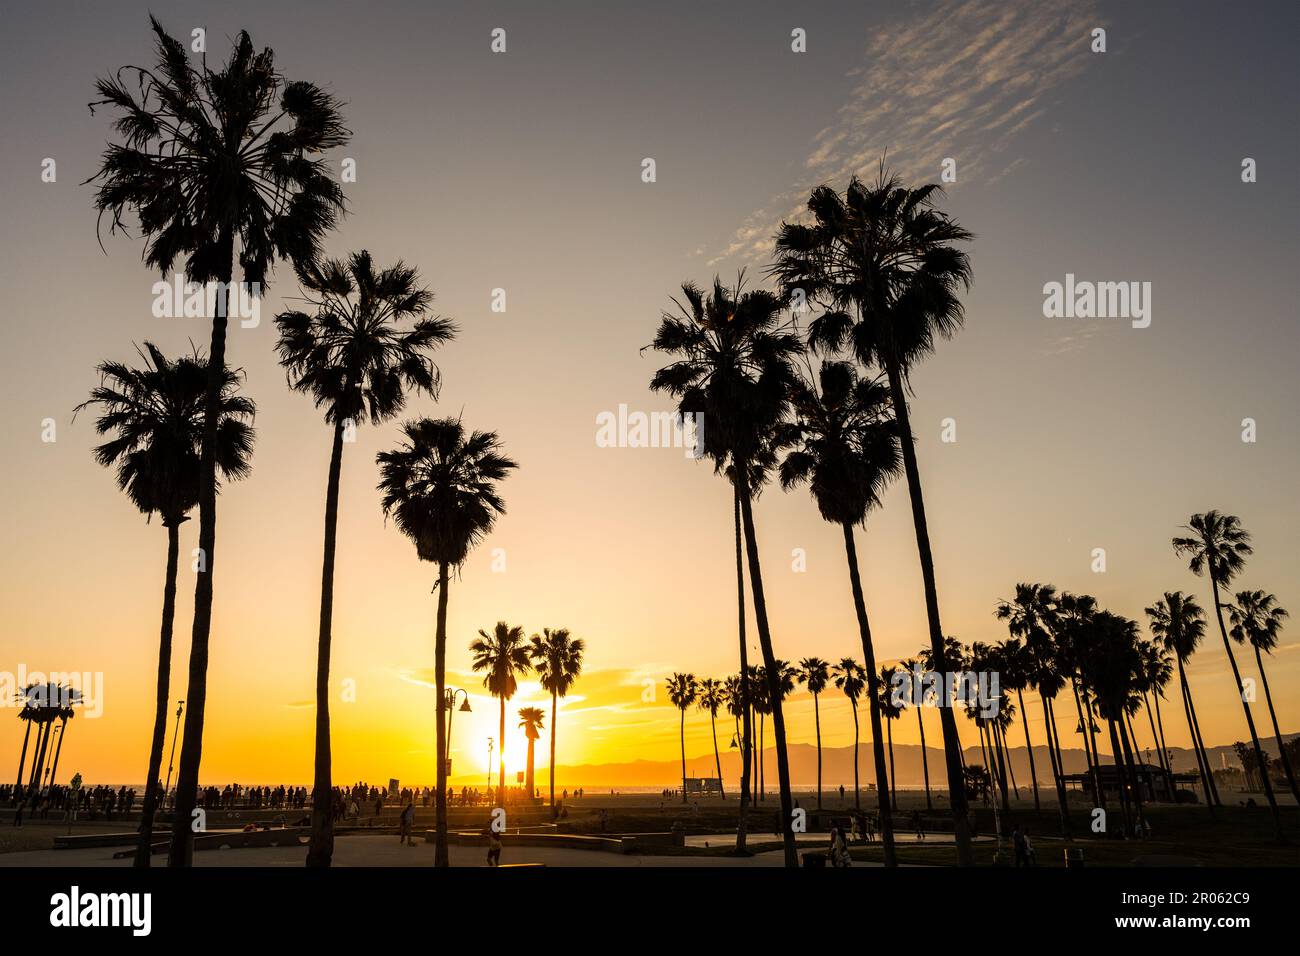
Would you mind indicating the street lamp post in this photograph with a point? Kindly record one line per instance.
(180, 706)
(449, 702)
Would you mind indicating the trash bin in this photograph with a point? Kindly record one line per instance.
(1074, 856)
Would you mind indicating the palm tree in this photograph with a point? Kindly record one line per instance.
(912, 666)
(816, 674)
(1257, 618)
(214, 161)
(1031, 616)
(891, 709)
(1219, 544)
(1178, 624)
(851, 679)
(844, 446)
(531, 719)
(712, 697)
(1110, 665)
(503, 656)
(440, 487)
(1155, 675)
(557, 658)
(682, 690)
(154, 415)
(884, 260)
(1014, 657)
(732, 368)
(356, 359)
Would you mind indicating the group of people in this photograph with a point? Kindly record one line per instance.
(89, 803)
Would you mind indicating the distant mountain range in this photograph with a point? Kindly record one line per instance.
(837, 766)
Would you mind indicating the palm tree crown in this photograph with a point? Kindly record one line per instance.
(440, 487)
(352, 353)
(502, 655)
(557, 657)
(1257, 619)
(1218, 543)
(155, 415)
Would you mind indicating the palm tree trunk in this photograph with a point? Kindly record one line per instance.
(320, 849)
(857, 798)
(22, 762)
(1277, 733)
(746, 741)
(1006, 753)
(817, 717)
(441, 856)
(1130, 761)
(1160, 725)
(1118, 760)
(1029, 746)
(682, 731)
(144, 849)
(717, 758)
(952, 756)
(925, 762)
(1202, 758)
(528, 776)
(873, 697)
(555, 704)
(1057, 774)
(54, 767)
(187, 780)
(893, 778)
(1085, 725)
(501, 756)
(1155, 738)
(1250, 721)
(38, 766)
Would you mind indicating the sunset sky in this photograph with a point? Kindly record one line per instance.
(522, 171)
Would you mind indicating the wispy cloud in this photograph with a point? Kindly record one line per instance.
(960, 79)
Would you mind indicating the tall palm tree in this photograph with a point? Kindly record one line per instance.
(712, 697)
(891, 709)
(1178, 624)
(885, 261)
(682, 691)
(845, 448)
(1014, 657)
(1219, 545)
(440, 487)
(1110, 664)
(1031, 617)
(850, 678)
(216, 163)
(557, 658)
(1257, 618)
(816, 675)
(154, 415)
(531, 720)
(503, 657)
(732, 366)
(912, 665)
(353, 353)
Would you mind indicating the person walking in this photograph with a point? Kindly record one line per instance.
(405, 822)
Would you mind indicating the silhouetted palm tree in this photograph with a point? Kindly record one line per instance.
(732, 367)
(884, 260)
(844, 446)
(503, 656)
(712, 697)
(1157, 671)
(1110, 663)
(891, 709)
(531, 720)
(214, 164)
(440, 487)
(919, 701)
(557, 658)
(1219, 544)
(1257, 618)
(1031, 616)
(1014, 657)
(850, 678)
(816, 674)
(154, 415)
(682, 690)
(354, 355)
(1178, 623)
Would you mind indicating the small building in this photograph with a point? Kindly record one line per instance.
(1158, 785)
(703, 787)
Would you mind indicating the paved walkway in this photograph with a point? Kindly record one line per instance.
(386, 851)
